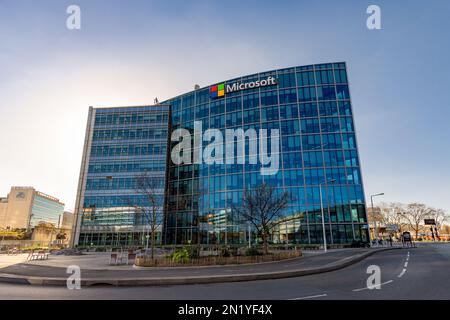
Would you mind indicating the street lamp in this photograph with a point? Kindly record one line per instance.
(321, 209)
(375, 220)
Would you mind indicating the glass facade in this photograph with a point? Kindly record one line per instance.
(45, 209)
(124, 143)
(311, 108)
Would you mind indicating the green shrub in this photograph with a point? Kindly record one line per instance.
(180, 256)
(252, 251)
(194, 252)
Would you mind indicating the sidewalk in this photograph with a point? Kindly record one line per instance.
(32, 273)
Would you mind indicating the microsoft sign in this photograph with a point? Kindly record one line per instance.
(219, 90)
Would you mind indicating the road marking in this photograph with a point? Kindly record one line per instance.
(406, 264)
(366, 288)
(402, 273)
(310, 297)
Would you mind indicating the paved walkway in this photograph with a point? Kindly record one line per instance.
(315, 263)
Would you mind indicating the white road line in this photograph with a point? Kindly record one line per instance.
(402, 273)
(406, 264)
(366, 288)
(310, 297)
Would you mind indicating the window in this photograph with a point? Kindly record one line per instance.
(291, 143)
(269, 98)
(313, 159)
(324, 77)
(234, 104)
(305, 79)
(306, 94)
(333, 158)
(328, 108)
(234, 119)
(290, 127)
(341, 76)
(292, 159)
(311, 142)
(326, 93)
(342, 92)
(288, 96)
(330, 124)
(308, 110)
(286, 80)
(269, 114)
(347, 124)
(251, 116)
(250, 101)
(345, 108)
(310, 125)
(289, 111)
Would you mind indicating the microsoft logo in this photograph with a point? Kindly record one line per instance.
(217, 91)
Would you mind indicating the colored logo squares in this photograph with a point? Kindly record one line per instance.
(217, 91)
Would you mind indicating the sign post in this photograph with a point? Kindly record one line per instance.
(431, 223)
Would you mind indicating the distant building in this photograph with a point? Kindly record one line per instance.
(66, 220)
(65, 227)
(3, 208)
(25, 208)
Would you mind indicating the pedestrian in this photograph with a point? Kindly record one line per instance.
(390, 240)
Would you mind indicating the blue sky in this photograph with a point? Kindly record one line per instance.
(129, 52)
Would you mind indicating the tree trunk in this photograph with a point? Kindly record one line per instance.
(153, 240)
(153, 244)
(154, 227)
(266, 250)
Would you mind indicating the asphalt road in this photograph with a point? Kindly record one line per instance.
(416, 273)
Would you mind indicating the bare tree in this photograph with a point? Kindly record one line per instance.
(391, 213)
(262, 207)
(149, 187)
(439, 216)
(414, 214)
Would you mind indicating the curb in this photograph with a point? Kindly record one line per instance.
(47, 281)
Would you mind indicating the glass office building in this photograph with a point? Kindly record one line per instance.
(121, 145)
(311, 108)
(45, 208)
(26, 208)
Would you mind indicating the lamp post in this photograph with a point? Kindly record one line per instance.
(375, 233)
(321, 209)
